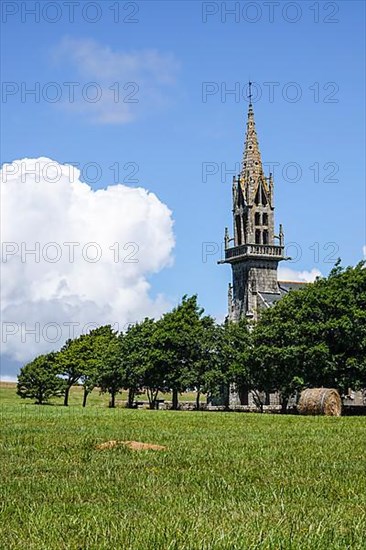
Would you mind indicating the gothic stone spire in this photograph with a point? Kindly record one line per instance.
(254, 251)
(252, 162)
(252, 173)
(252, 194)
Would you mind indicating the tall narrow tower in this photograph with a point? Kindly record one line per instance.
(254, 250)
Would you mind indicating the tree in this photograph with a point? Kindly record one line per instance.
(206, 369)
(137, 362)
(315, 336)
(154, 374)
(110, 374)
(72, 360)
(141, 362)
(345, 328)
(177, 344)
(39, 379)
(232, 357)
(92, 355)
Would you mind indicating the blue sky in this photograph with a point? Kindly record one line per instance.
(312, 51)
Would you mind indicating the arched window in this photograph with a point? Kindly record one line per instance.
(240, 197)
(264, 198)
(257, 236)
(257, 218)
(265, 236)
(238, 229)
(257, 199)
(265, 219)
(260, 196)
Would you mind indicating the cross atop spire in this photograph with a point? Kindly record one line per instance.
(250, 92)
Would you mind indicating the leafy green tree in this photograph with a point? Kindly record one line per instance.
(315, 336)
(138, 362)
(232, 356)
(178, 345)
(206, 368)
(39, 379)
(72, 360)
(92, 356)
(234, 352)
(344, 302)
(154, 378)
(110, 374)
(273, 368)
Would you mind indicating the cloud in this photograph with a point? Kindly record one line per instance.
(288, 274)
(74, 255)
(364, 251)
(126, 85)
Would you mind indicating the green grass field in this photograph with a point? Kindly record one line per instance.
(95, 399)
(226, 481)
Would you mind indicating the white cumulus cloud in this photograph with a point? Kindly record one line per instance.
(73, 257)
(288, 274)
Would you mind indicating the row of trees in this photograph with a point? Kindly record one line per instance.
(315, 336)
(172, 354)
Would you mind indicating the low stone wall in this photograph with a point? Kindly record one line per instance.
(355, 399)
(167, 405)
(351, 407)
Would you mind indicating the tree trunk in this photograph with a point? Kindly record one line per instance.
(225, 391)
(175, 400)
(148, 393)
(258, 400)
(198, 400)
(66, 398)
(152, 396)
(112, 402)
(85, 396)
(39, 398)
(154, 404)
(131, 398)
(284, 405)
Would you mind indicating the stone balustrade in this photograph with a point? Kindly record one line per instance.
(265, 250)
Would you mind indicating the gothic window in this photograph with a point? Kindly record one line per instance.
(257, 199)
(257, 218)
(260, 196)
(257, 236)
(238, 229)
(264, 198)
(240, 201)
(265, 236)
(265, 219)
(240, 198)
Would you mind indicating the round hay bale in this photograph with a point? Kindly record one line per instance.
(326, 401)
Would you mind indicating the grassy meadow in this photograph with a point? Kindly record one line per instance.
(226, 480)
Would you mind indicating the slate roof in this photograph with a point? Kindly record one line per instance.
(268, 299)
(286, 286)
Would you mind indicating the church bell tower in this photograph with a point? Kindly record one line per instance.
(254, 250)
